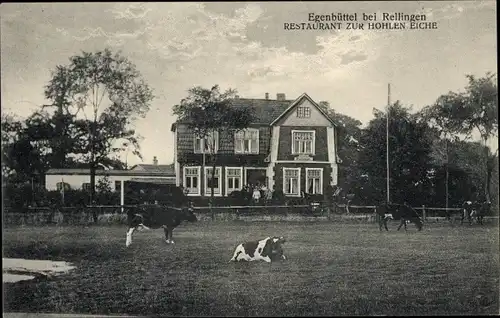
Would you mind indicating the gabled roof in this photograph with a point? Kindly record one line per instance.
(154, 168)
(295, 102)
(268, 111)
(264, 110)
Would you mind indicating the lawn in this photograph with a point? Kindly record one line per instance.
(332, 269)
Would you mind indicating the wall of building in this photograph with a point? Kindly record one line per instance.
(76, 180)
(185, 140)
(278, 174)
(321, 145)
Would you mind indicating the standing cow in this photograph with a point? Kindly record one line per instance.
(468, 209)
(403, 212)
(268, 250)
(480, 210)
(154, 217)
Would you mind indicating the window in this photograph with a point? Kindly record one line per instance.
(291, 181)
(246, 141)
(209, 144)
(215, 181)
(86, 186)
(303, 142)
(118, 186)
(303, 112)
(314, 180)
(233, 179)
(192, 180)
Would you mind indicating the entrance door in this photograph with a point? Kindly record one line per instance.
(256, 177)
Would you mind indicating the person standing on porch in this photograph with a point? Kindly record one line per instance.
(256, 194)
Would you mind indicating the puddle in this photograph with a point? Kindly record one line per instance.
(19, 269)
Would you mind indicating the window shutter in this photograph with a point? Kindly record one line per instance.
(216, 142)
(255, 141)
(238, 140)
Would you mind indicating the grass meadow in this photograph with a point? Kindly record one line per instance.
(332, 269)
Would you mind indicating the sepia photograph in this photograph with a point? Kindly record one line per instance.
(334, 158)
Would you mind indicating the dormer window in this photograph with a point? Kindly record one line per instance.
(303, 112)
(209, 144)
(247, 141)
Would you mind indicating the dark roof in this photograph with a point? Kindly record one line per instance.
(266, 111)
(139, 173)
(169, 169)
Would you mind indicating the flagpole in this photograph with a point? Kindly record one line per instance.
(62, 191)
(387, 141)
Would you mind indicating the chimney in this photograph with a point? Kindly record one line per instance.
(280, 96)
(155, 161)
(267, 95)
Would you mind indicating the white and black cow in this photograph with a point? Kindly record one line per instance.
(155, 217)
(269, 249)
(468, 211)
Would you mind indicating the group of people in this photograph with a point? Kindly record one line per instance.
(259, 193)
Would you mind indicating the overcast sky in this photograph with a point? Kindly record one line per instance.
(244, 46)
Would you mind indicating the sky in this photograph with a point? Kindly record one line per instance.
(244, 46)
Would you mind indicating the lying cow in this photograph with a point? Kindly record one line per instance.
(268, 250)
(154, 217)
(402, 212)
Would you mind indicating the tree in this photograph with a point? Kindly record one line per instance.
(23, 157)
(439, 116)
(348, 137)
(104, 94)
(210, 114)
(476, 110)
(409, 146)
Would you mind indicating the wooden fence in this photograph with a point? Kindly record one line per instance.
(91, 214)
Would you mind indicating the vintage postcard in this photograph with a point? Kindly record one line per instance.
(250, 158)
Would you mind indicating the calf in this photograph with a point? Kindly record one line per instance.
(402, 212)
(268, 250)
(154, 217)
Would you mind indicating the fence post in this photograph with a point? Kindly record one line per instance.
(424, 217)
(376, 215)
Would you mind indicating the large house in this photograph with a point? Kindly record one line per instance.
(291, 146)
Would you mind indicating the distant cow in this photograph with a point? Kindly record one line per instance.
(154, 217)
(468, 209)
(269, 249)
(480, 210)
(402, 212)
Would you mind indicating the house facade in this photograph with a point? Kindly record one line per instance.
(290, 146)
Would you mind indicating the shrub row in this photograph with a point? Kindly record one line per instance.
(19, 196)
